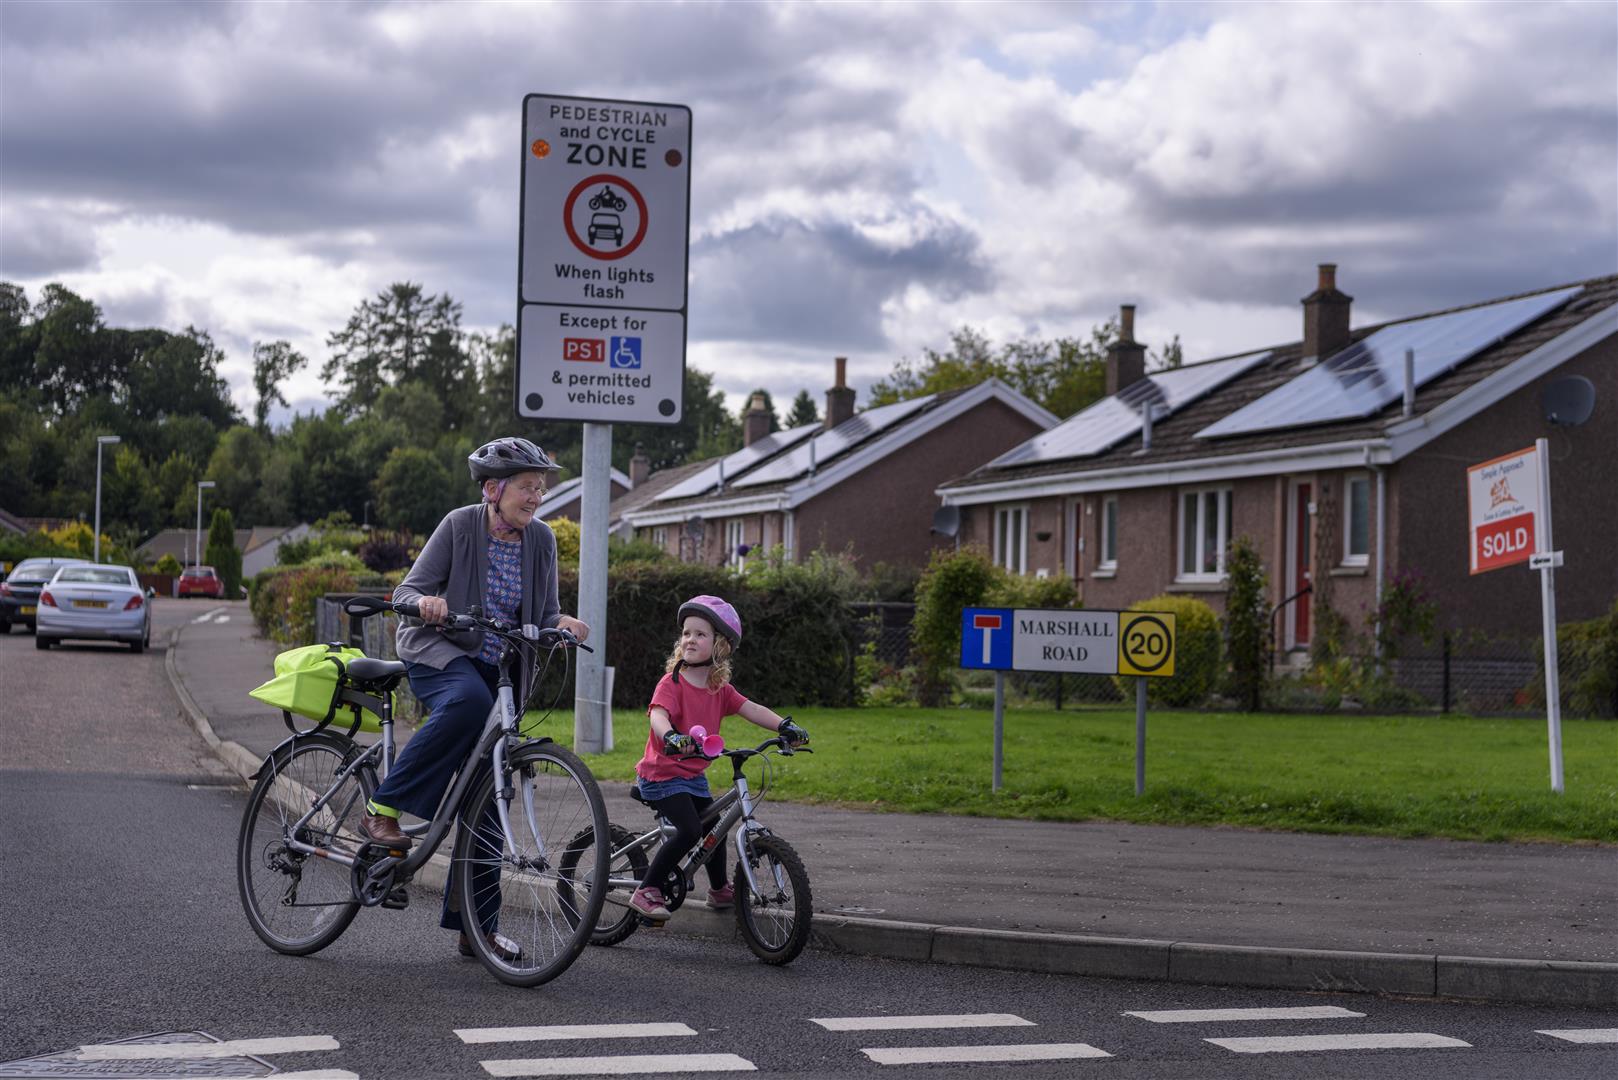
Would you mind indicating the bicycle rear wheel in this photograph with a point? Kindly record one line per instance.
(296, 902)
(775, 920)
(616, 921)
(518, 888)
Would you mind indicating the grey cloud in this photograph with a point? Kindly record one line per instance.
(43, 241)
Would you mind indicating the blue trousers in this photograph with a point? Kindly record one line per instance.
(459, 698)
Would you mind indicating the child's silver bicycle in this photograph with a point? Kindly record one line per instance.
(773, 903)
(304, 869)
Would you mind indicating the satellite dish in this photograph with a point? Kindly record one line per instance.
(1568, 401)
(694, 527)
(946, 520)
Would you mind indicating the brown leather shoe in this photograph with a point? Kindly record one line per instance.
(381, 829)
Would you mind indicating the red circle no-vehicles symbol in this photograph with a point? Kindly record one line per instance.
(605, 236)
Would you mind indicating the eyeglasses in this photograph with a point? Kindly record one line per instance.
(528, 488)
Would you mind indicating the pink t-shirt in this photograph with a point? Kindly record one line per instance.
(688, 707)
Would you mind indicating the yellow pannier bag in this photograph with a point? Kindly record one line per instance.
(309, 681)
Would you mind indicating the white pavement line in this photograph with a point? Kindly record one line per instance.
(206, 615)
(1287, 1044)
(916, 1023)
(571, 1031)
(198, 1051)
(619, 1066)
(223, 618)
(1199, 1016)
(1583, 1035)
(306, 1074)
(932, 1055)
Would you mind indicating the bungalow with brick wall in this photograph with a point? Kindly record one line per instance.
(860, 482)
(1342, 460)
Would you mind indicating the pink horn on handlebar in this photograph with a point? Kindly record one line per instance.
(711, 745)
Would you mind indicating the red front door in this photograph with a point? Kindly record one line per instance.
(1300, 563)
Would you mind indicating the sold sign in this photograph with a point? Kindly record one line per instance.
(1503, 500)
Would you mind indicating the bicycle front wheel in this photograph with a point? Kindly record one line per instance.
(296, 902)
(534, 921)
(775, 920)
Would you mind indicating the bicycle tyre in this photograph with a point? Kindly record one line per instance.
(616, 921)
(775, 925)
(271, 879)
(528, 907)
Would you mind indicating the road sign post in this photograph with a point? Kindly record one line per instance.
(604, 237)
(1139, 643)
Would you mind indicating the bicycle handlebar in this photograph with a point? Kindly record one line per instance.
(779, 743)
(363, 607)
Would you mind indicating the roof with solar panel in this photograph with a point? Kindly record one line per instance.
(1278, 397)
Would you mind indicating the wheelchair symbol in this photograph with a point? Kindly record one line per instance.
(626, 352)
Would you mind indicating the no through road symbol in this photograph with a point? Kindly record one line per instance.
(1145, 643)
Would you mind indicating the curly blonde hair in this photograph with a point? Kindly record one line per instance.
(718, 674)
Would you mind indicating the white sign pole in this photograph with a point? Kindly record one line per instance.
(1547, 592)
(999, 724)
(592, 711)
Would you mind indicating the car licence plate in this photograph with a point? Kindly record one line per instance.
(89, 603)
(27, 610)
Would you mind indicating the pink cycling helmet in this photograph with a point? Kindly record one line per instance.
(726, 623)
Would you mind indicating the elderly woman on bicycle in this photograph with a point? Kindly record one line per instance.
(495, 555)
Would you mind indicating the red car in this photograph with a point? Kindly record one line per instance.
(201, 581)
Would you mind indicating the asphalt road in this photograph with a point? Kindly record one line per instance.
(122, 920)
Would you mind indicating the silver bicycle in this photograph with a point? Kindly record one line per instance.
(773, 902)
(304, 869)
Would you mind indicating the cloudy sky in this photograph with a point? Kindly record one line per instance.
(866, 177)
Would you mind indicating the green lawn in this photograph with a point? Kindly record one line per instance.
(1461, 777)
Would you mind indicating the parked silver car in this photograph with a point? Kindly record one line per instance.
(90, 601)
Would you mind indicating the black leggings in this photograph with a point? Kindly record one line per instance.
(685, 812)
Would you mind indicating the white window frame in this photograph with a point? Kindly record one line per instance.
(1013, 556)
(1107, 535)
(1350, 556)
(660, 536)
(734, 530)
(1223, 505)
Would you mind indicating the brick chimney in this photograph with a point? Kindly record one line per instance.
(640, 467)
(755, 421)
(1325, 317)
(1126, 357)
(840, 398)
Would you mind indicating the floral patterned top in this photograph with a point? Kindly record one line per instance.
(502, 592)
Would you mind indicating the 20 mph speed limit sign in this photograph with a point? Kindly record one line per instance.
(1145, 643)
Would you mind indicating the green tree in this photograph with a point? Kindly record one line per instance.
(1247, 623)
(129, 495)
(67, 357)
(221, 553)
(413, 490)
(236, 468)
(273, 363)
(803, 411)
(706, 427)
(403, 335)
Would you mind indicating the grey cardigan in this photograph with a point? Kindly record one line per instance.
(455, 565)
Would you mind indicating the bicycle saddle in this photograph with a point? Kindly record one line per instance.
(376, 672)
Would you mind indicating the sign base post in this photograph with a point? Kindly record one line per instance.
(999, 724)
(1140, 737)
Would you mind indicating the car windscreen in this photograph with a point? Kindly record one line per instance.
(95, 575)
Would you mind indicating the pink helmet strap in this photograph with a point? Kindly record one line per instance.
(499, 492)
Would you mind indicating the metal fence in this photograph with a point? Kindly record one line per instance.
(374, 636)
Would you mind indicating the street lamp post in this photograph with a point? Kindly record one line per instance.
(101, 440)
(198, 553)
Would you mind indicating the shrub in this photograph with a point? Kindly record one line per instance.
(386, 551)
(952, 580)
(1016, 591)
(1587, 657)
(265, 599)
(296, 604)
(1196, 654)
(168, 564)
(567, 541)
(623, 552)
(222, 553)
(1406, 609)
(1246, 623)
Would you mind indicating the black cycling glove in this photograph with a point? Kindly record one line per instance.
(792, 732)
(675, 743)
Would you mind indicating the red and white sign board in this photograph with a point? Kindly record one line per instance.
(1504, 503)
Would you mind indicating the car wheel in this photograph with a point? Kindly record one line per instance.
(42, 642)
(137, 646)
(5, 628)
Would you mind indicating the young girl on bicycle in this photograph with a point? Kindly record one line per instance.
(695, 692)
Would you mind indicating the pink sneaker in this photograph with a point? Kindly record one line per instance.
(721, 898)
(649, 902)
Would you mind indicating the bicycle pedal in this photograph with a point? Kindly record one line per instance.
(377, 847)
(398, 900)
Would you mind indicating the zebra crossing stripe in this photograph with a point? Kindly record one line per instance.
(935, 1055)
(201, 1051)
(571, 1031)
(1583, 1035)
(916, 1023)
(619, 1066)
(1287, 1044)
(1201, 1016)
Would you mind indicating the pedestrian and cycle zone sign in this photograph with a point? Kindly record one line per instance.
(1072, 641)
(602, 257)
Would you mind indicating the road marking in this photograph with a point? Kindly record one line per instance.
(319, 1074)
(206, 615)
(223, 618)
(619, 1066)
(1584, 1035)
(1199, 1016)
(913, 1023)
(1286, 1044)
(571, 1031)
(933, 1055)
(198, 1051)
